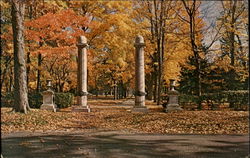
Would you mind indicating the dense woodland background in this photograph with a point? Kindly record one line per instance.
(204, 56)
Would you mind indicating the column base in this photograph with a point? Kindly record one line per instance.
(80, 109)
(173, 107)
(140, 109)
(48, 107)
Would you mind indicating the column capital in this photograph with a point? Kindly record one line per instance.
(82, 42)
(139, 41)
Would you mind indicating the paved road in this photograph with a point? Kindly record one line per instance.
(119, 144)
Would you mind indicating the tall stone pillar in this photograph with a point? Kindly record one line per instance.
(139, 76)
(82, 76)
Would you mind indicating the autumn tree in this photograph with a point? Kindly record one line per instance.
(197, 30)
(167, 45)
(191, 8)
(36, 9)
(21, 103)
(234, 42)
(159, 23)
(110, 35)
(6, 56)
(53, 37)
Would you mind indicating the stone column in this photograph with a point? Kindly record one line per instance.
(82, 76)
(139, 76)
(173, 104)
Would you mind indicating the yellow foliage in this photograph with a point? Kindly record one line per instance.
(4, 5)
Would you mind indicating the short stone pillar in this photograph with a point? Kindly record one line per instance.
(139, 76)
(82, 76)
(173, 104)
(48, 98)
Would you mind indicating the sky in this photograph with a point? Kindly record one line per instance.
(210, 12)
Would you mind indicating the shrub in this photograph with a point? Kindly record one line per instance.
(62, 100)
(35, 100)
(185, 99)
(238, 100)
(7, 100)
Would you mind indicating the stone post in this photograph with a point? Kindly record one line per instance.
(82, 76)
(173, 104)
(139, 76)
(48, 98)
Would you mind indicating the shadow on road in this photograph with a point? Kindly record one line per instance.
(124, 145)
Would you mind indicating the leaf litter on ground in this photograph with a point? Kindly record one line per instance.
(119, 118)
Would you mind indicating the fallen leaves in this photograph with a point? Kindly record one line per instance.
(119, 118)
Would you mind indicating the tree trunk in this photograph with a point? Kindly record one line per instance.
(111, 91)
(39, 61)
(30, 9)
(161, 53)
(125, 92)
(199, 79)
(191, 13)
(10, 80)
(232, 34)
(150, 86)
(155, 86)
(61, 86)
(28, 68)
(115, 90)
(232, 83)
(3, 74)
(118, 91)
(159, 78)
(21, 103)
